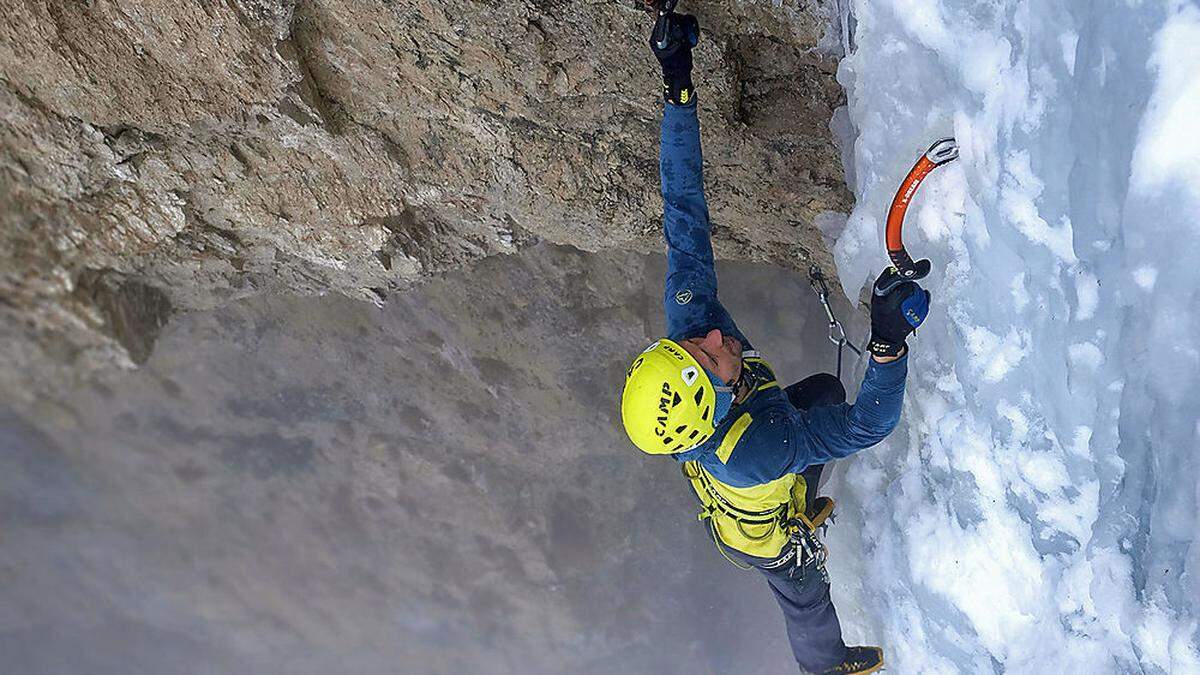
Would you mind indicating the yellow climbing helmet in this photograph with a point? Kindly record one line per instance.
(668, 403)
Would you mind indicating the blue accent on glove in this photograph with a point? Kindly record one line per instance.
(915, 307)
(895, 314)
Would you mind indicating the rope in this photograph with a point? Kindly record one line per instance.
(837, 334)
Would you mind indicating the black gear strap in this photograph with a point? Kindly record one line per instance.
(679, 92)
(884, 348)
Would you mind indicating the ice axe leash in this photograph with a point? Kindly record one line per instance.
(904, 267)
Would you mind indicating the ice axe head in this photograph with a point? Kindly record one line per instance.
(661, 6)
(942, 151)
(904, 268)
(670, 27)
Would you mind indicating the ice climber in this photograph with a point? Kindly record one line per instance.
(753, 451)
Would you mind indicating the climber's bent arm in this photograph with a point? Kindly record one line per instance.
(833, 432)
(788, 442)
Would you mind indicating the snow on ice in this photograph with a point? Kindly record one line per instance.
(1037, 509)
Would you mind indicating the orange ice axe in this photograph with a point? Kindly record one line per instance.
(904, 268)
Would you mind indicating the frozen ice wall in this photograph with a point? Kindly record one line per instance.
(1036, 511)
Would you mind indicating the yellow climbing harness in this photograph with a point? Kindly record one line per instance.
(751, 520)
(760, 520)
(765, 521)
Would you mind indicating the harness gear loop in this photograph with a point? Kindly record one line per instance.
(693, 473)
(804, 544)
(713, 503)
(712, 528)
(808, 546)
(773, 516)
(837, 333)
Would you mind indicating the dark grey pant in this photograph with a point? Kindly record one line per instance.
(803, 595)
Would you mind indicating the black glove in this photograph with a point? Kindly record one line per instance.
(671, 41)
(896, 313)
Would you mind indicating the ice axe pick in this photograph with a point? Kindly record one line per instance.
(662, 25)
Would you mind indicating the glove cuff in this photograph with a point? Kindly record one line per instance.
(881, 347)
(678, 89)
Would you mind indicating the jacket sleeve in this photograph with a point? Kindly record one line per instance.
(825, 433)
(833, 432)
(690, 301)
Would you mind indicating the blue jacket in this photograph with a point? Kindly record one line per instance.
(780, 439)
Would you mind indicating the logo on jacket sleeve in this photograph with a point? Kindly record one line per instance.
(683, 297)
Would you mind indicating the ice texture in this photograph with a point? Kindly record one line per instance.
(1036, 511)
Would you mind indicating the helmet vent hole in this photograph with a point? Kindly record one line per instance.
(667, 440)
(699, 397)
(694, 432)
(680, 429)
(704, 415)
(676, 400)
(689, 375)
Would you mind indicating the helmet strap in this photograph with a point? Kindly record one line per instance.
(744, 384)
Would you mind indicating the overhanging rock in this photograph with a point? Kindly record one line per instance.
(218, 150)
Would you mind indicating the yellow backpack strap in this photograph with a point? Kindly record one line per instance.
(691, 471)
(733, 436)
(799, 494)
(759, 372)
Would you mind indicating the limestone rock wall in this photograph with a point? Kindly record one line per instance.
(163, 156)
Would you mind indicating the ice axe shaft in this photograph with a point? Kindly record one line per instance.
(905, 268)
(662, 25)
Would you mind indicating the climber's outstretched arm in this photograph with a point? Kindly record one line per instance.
(786, 440)
(691, 303)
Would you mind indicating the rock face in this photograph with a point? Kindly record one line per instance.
(163, 156)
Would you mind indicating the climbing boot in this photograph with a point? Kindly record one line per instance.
(858, 661)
